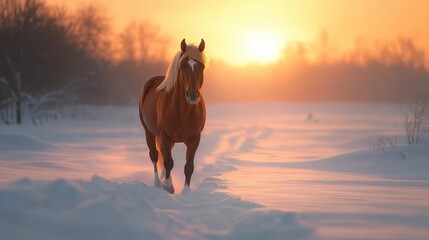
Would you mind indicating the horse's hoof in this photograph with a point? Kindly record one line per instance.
(157, 183)
(168, 186)
(170, 190)
(162, 174)
(186, 190)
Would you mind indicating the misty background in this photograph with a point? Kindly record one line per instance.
(55, 58)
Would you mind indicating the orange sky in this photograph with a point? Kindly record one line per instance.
(233, 28)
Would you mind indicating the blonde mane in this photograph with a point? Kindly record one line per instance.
(193, 52)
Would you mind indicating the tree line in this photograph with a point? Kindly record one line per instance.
(317, 71)
(50, 54)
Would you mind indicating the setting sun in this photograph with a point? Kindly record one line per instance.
(262, 47)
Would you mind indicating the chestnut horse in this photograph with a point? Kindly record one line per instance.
(172, 110)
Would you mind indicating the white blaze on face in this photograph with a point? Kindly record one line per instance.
(192, 63)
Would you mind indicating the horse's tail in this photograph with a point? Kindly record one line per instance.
(150, 84)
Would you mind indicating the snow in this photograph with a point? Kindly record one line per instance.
(263, 170)
(102, 209)
(21, 142)
(400, 162)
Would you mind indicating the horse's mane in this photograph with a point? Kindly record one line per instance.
(193, 52)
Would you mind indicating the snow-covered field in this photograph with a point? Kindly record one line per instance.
(263, 171)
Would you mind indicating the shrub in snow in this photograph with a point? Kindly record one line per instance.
(416, 123)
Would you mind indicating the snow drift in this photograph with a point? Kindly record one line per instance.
(102, 209)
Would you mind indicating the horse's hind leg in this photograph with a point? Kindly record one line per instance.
(153, 153)
(160, 158)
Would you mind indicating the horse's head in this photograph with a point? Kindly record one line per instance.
(191, 71)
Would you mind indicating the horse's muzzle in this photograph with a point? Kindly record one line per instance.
(192, 98)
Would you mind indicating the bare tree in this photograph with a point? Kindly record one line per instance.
(417, 121)
(91, 27)
(14, 89)
(46, 47)
(142, 42)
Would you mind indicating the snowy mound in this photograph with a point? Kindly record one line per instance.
(401, 162)
(101, 209)
(21, 142)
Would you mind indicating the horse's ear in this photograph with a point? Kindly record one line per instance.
(202, 45)
(183, 45)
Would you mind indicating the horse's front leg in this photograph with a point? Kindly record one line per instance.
(192, 145)
(166, 146)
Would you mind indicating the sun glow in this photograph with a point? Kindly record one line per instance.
(263, 47)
